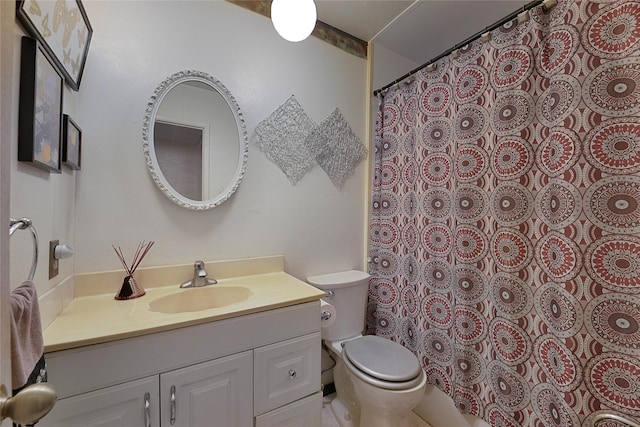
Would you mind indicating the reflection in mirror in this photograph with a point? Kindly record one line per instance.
(180, 155)
(195, 140)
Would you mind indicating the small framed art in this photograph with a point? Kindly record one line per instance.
(71, 143)
(63, 29)
(40, 110)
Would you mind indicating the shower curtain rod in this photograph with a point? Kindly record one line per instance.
(548, 4)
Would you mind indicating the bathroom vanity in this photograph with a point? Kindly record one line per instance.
(254, 362)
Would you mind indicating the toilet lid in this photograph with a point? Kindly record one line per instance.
(382, 358)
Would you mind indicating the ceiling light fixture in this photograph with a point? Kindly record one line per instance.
(294, 20)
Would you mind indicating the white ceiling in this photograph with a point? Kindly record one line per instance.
(416, 29)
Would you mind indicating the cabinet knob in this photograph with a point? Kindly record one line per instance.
(292, 374)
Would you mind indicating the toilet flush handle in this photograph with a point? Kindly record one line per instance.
(330, 294)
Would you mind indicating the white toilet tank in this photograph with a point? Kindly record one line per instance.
(350, 289)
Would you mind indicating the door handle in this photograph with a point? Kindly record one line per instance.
(29, 405)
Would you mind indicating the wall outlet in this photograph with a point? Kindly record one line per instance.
(53, 262)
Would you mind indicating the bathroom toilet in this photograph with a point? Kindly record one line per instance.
(378, 382)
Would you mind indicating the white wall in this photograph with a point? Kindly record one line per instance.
(136, 45)
(7, 13)
(113, 201)
(48, 199)
(389, 66)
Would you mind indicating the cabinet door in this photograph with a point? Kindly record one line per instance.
(130, 404)
(305, 412)
(212, 394)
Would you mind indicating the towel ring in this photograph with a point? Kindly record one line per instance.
(22, 224)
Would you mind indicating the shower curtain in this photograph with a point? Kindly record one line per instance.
(505, 218)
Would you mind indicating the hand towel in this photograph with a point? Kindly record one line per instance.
(27, 345)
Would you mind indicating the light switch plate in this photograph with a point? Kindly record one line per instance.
(53, 262)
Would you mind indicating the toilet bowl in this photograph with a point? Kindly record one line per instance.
(378, 382)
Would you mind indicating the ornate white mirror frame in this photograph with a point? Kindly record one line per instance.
(149, 142)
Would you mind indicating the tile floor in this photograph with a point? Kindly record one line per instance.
(329, 420)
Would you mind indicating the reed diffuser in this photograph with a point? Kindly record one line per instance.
(130, 289)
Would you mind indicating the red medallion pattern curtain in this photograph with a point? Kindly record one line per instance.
(505, 224)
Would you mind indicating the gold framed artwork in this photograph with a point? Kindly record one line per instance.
(63, 29)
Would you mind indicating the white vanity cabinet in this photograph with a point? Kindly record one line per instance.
(259, 369)
(285, 372)
(305, 412)
(128, 404)
(215, 394)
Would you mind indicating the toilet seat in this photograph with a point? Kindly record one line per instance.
(382, 363)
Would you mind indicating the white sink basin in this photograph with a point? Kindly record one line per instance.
(198, 299)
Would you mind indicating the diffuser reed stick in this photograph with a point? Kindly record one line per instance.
(130, 288)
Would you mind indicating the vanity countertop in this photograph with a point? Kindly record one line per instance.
(98, 318)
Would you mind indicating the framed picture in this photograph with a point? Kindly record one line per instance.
(71, 143)
(63, 29)
(40, 110)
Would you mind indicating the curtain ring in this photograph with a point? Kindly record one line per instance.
(547, 5)
(523, 16)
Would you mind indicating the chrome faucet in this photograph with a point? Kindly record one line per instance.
(199, 277)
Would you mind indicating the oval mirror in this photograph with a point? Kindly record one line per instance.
(195, 140)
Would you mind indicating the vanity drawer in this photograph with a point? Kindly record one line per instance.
(305, 412)
(286, 371)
